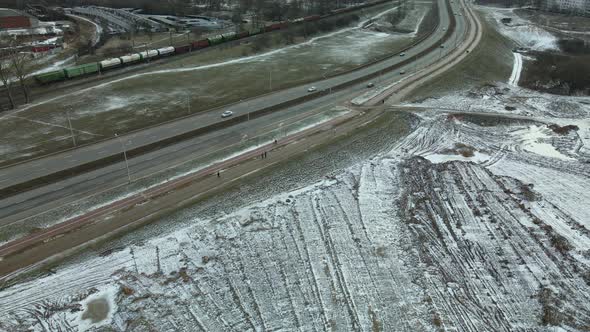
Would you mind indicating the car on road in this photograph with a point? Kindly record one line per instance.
(442, 46)
(370, 85)
(402, 72)
(444, 29)
(402, 54)
(312, 89)
(227, 114)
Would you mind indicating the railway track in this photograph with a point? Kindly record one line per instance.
(140, 150)
(42, 91)
(91, 217)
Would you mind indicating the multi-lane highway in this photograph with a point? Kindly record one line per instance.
(28, 251)
(47, 197)
(37, 168)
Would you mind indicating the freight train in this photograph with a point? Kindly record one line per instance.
(130, 59)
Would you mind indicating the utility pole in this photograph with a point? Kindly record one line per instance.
(188, 103)
(71, 128)
(125, 156)
(246, 102)
(326, 77)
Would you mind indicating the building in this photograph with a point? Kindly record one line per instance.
(574, 7)
(14, 19)
(187, 23)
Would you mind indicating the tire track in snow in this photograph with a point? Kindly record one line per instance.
(516, 70)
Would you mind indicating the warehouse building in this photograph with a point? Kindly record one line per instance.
(14, 19)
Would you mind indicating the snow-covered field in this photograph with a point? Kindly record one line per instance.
(520, 30)
(516, 70)
(473, 222)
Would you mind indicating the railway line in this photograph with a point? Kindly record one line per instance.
(65, 164)
(342, 89)
(79, 76)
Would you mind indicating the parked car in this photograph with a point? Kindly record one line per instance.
(227, 114)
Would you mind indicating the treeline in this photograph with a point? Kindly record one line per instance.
(15, 66)
(508, 3)
(274, 10)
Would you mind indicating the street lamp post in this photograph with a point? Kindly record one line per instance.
(324, 75)
(125, 156)
(188, 103)
(71, 128)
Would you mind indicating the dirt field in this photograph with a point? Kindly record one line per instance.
(558, 73)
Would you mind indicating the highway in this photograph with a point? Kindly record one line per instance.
(29, 251)
(45, 198)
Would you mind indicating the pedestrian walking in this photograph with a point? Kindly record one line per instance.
(276, 141)
(265, 154)
(218, 175)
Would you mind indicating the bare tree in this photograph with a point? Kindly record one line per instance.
(21, 63)
(7, 70)
(6, 74)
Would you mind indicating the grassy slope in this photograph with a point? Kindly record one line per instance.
(490, 62)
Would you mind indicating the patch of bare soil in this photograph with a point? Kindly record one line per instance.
(562, 74)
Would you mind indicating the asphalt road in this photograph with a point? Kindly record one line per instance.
(44, 198)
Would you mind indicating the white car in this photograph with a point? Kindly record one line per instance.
(402, 54)
(370, 85)
(227, 114)
(312, 89)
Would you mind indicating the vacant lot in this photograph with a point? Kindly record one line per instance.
(558, 73)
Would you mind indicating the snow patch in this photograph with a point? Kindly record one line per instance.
(54, 66)
(478, 157)
(516, 70)
(532, 140)
(522, 31)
